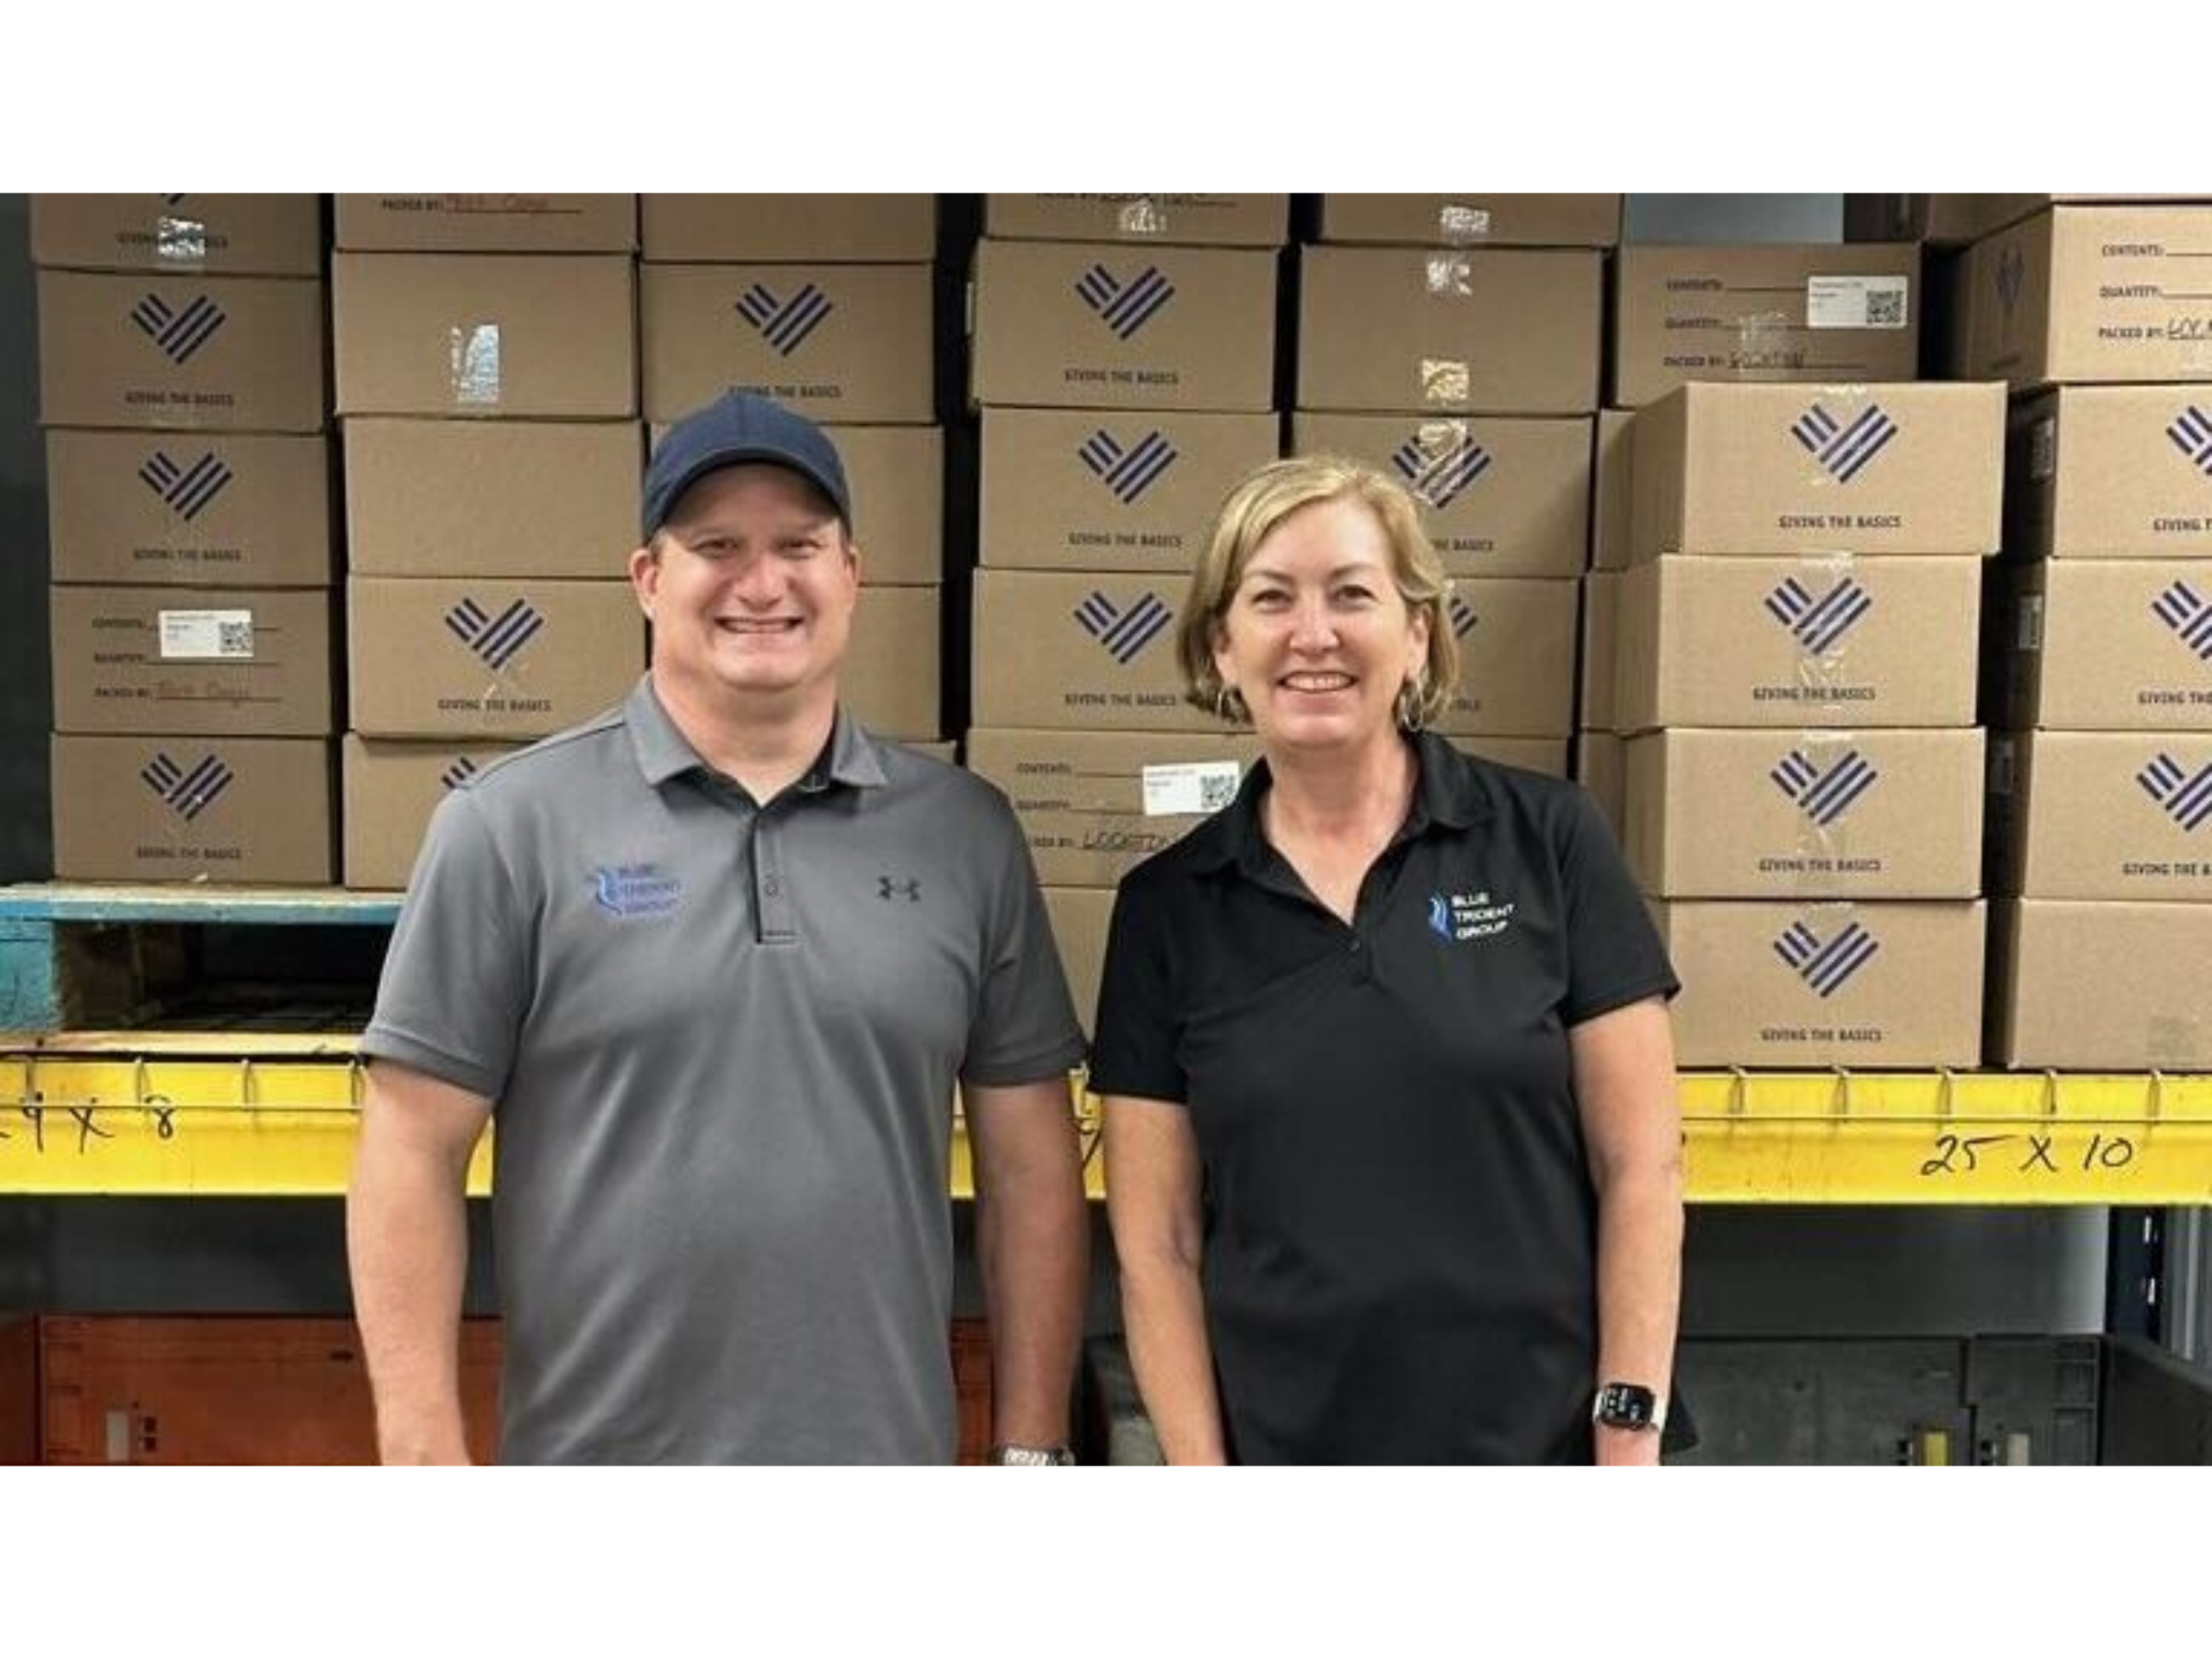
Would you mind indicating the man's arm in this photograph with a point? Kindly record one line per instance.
(1033, 1238)
(407, 1238)
(1152, 1192)
(1631, 1120)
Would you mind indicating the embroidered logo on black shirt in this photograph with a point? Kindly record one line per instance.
(1456, 918)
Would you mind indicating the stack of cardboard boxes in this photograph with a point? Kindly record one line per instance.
(1752, 313)
(1453, 342)
(1796, 662)
(485, 353)
(1124, 362)
(181, 365)
(2101, 781)
(827, 304)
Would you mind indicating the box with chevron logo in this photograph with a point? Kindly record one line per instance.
(192, 809)
(1836, 642)
(158, 349)
(1881, 470)
(201, 509)
(2105, 644)
(488, 657)
(2102, 815)
(390, 790)
(1807, 815)
(1812, 984)
(2110, 473)
(1099, 490)
(1095, 325)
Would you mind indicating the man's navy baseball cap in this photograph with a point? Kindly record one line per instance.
(739, 426)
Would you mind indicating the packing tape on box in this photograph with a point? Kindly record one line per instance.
(1822, 613)
(474, 350)
(1766, 341)
(1825, 774)
(180, 242)
(1458, 225)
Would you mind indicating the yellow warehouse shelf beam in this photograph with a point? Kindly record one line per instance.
(124, 1113)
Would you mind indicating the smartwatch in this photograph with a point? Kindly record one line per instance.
(1629, 1405)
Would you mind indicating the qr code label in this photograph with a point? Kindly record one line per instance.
(207, 636)
(1856, 302)
(1190, 787)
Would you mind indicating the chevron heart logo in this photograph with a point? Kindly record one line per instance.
(1123, 632)
(458, 772)
(2186, 796)
(186, 793)
(2191, 433)
(494, 639)
(1827, 967)
(187, 490)
(2181, 609)
(1844, 449)
(1128, 472)
(1817, 621)
(1124, 307)
(1440, 474)
(180, 334)
(784, 323)
(1824, 796)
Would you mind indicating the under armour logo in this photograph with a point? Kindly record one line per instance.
(889, 887)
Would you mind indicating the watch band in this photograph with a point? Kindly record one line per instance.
(1032, 1456)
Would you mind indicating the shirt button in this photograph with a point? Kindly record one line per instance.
(773, 888)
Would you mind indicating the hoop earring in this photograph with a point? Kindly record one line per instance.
(1410, 697)
(1228, 706)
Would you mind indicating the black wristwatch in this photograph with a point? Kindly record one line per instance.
(1630, 1405)
(1032, 1456)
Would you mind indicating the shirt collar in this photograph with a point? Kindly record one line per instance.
(1448, 792)
(850, 757)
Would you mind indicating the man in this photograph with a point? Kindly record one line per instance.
(716, 959)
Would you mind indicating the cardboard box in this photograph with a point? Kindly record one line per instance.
(1601, 767)
(2091, 294)
(1479, 332)
(1848, 643)
(1204, 220)
(1095, 805)
(170, 809)
(804, 229)
(2100, 987)
(390, 790)
(1805, 815)
(2110, 472)
(215, 1389)
(1081, 918)
(234, 235)
(1953, 221)
(1601, 599)
(1876, 469)
(1996, 208)
(1074, 489)
(485, 658)
(1086, 653)
(897, 478)
(850, 344)
(483, 498)
(488, 224)
(225, 354)
(455, 334)
(1516, 657)
(1499, 496)
(1612, 494)
(1092, 326)
(247, 661)
(1466, 221)
(2102, 815)
(2105, 644)
(1863, 986)
(890, 678)
(1772, 312)
(217, 509)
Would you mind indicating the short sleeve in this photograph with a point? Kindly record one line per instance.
(1025, 1029)
(1614, 953)
(1139, 1029)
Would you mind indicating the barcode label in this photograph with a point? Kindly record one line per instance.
(1856, 302)
(1189, 787)
(207, 636)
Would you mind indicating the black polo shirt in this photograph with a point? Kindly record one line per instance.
(1400, 1234)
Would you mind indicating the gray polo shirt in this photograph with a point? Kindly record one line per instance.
(721, 1041)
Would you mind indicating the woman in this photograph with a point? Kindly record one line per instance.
(1391, 1140)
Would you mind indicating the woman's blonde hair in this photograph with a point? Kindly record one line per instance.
(1250, 514)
